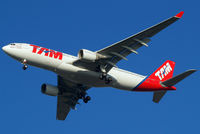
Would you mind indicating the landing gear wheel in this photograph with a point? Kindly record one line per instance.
(108, 80)
(102, 76)
(86, 99)
(24, 67)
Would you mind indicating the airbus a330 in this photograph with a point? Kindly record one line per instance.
(75, 75)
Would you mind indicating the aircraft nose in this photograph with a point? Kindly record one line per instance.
(4, 48)
(10, 51)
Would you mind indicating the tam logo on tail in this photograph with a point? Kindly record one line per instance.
(164, 72)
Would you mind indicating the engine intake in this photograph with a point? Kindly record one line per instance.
(49, 90)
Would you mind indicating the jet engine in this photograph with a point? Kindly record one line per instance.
(88, 55)
(49, 90)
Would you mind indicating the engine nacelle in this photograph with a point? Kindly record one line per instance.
(49, 90)
(87, 55)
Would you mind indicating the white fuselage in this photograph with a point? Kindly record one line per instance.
(64, 67)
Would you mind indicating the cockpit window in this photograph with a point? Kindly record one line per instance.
(12, 44)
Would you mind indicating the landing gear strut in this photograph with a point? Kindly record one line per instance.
(24, 64)
(81, 95)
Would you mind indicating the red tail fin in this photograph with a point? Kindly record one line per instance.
(164, 72)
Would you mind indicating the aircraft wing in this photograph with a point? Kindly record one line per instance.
(62, 107)
(123, 48)
(68, 97)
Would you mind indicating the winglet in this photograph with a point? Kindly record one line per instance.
(179, 15)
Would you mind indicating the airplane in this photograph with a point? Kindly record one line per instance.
(75, 75)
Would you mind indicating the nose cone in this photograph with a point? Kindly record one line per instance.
(4, 48)
(7, 49)
(11, 51)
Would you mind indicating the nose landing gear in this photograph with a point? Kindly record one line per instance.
(24, 64)
(24, 67)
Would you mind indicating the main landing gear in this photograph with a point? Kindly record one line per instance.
(82, 95)
(24, 64)
(86, 99)
(104, 75)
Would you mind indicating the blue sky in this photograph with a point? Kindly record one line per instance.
(68, 26)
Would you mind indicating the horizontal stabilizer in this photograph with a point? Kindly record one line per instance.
(157, 96)
(178, 78)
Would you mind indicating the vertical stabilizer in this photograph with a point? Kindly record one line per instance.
(164, 72)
